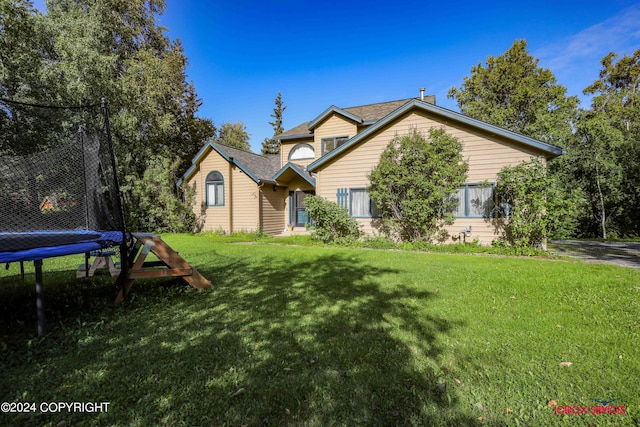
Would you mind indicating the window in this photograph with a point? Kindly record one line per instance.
(361, 205)
(215, 189)
(330, 144)
(302, 151)
(474, 201)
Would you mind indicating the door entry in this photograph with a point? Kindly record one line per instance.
(298, 214)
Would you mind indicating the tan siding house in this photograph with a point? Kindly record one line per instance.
(333, 155)
(232, 200)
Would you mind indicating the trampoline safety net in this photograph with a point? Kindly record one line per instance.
(57, 180)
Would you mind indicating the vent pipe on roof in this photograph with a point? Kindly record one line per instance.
(421, 94)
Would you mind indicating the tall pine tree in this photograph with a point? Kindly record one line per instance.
(271, 145)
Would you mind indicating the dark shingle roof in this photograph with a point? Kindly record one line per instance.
(299, 131)
(262, 167)
(368, 113)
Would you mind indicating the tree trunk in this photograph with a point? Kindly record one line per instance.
(603, 217)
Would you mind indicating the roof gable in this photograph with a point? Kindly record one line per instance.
(257, 167)
(363, 114)
(292, 168)
(550, 150)
(333, 110)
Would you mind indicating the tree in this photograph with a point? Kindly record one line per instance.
(82, 50)
(609, 139)
(529, 205)
(23, 53)
(234, 135)
(160, 209)
(413, 183)
(513, 92)
(598, 167)
(272, 145)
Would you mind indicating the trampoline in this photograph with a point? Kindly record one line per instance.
(59, 192)
(38, 245)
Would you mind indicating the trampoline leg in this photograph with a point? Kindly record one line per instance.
(21, 270)
(39, 297)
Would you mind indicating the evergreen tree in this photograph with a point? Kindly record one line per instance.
(513, 92)
(271, 145)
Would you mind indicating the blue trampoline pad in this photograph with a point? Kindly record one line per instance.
(38, 245)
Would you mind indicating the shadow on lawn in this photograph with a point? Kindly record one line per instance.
(278, 342)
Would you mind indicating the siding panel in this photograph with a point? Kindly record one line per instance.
(486, 155)
(273, 206)
(245, 202)
(334, 126)
(215, 217)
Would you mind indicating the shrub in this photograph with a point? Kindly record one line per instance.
(158, 206)
(536, 206)
(413, 183)
(332, 222)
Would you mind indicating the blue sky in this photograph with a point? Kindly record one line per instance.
(349, 53)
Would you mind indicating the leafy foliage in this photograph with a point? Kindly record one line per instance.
(160, 208)
(81, 51)
(413, 182)
(598, 169)
(234, 135)
(531, 205)
(513, 92)
(332, 222)
(607, 146)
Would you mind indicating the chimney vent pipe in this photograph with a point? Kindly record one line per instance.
(421, 94)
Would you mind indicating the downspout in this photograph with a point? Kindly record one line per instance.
(260, 217)
(230, 193)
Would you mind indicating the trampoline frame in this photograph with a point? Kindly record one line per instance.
(86, 240)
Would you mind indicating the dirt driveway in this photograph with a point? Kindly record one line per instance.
(625, 254)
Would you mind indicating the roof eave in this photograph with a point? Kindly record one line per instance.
(297, 170)
(194, 163)
(299, 136)
(197, 158)
(331, 110)
(551, 150)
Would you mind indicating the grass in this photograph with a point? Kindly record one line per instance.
(318, 335)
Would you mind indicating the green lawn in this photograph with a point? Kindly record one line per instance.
(313, 335)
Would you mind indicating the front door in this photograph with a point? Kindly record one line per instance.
(298, 214)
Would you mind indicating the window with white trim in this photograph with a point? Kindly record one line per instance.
(215, 189)
(330, 144)
(302, 151)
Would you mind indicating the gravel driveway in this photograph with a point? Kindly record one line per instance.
(624, 254)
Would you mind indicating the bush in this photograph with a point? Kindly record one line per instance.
(155, 205)
(536, 206)
(413, 183)
(332, 222)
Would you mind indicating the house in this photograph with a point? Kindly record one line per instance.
(332, 156)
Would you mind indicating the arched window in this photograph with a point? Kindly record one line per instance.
(302, 151)
(215, 189)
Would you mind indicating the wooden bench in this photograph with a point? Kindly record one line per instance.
(169, 264)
